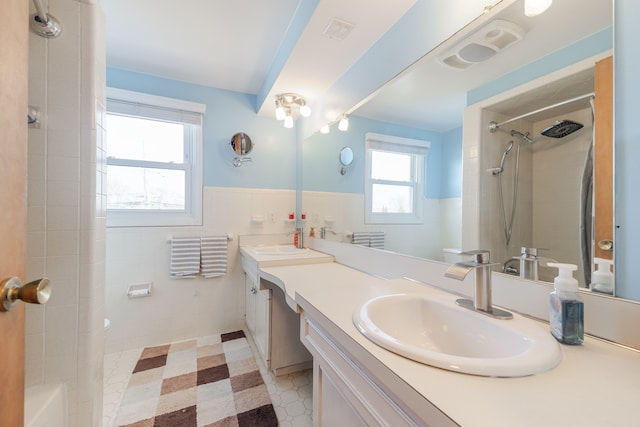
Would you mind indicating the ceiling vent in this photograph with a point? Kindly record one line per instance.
(483, 44)
(338, 29)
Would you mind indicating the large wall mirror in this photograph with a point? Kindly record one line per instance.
(528, 182)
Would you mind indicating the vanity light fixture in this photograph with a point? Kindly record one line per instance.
(287, 104)
(536, 7)
(280, 112)
(288, 120)
(343, 125)
(325, 129)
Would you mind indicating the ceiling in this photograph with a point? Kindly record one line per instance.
(250, 46)
(432, 96)
(267, 48)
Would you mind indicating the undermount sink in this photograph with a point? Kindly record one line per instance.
(279, 250)
(435, 331)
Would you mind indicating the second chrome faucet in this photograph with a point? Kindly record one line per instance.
(481, 265)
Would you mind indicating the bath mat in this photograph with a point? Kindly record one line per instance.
(206, 382)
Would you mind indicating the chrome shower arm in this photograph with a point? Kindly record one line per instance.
(44, 24)
(41, 11)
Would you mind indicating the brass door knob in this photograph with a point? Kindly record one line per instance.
(606, 245)
(35, 292)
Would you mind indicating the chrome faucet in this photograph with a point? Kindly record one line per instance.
(482, 283)
(529, 262)
(324, 230)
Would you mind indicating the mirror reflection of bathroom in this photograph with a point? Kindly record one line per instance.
(539, 177)
(241, 143)
(346, 158)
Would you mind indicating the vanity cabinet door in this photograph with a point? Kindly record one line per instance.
(263, 323)
(250, 304)
(331, 406)
(344, 394)
(258, 316)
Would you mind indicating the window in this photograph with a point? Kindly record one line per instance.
(394, 179)
(154, 166)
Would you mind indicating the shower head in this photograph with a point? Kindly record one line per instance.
(561, 129)
(498, 170)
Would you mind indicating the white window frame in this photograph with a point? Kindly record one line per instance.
(135, 104)
(418, 150)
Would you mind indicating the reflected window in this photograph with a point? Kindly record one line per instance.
(154, 171)
(394, 179)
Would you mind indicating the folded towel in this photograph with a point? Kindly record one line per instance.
(377, 239)
(185, 257)
(213, 256)
(361, 238)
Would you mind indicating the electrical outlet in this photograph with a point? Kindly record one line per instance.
(272, 217)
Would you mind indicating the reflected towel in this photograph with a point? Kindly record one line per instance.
(185, 257)
(213, 256)
(361, 238)
(377, 239)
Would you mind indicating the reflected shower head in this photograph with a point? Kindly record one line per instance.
(498, 170)
(561, 129)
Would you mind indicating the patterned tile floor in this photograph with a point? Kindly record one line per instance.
(290, 394)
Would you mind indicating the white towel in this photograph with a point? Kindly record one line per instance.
(185, 257)
(377, 239)
(213, 256)
(361, 238)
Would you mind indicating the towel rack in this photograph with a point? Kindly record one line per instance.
(229, 238)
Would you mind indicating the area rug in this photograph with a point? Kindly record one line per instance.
(208, 382)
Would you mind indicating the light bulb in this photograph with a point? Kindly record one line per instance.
(343, 125)
(536, 7)
(280, 113)
(305, 111)
(325, 129)
(288, 120)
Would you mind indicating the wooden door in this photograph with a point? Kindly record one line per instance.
(14, 27)
(603, 156)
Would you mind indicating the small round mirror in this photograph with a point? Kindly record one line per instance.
(346, 156)
(241, 144)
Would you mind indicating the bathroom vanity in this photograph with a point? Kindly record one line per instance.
(272, 323)
(357, 382)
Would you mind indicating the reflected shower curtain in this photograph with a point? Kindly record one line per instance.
(586, 216)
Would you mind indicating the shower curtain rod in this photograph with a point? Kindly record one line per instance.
(493, 126)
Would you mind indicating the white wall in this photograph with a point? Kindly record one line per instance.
(185, 308)
(66, 217)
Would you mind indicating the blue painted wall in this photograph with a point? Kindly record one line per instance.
(451, 164)
(321, 164)
(627, 149)
(228, 112)
(582, 49)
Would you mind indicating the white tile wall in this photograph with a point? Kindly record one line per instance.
(65, 241)
(186, 308)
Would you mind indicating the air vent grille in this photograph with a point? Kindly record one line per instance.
(483, 44)
(338, 29)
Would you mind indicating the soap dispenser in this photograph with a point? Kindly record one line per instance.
(566, 315)
(602, 277)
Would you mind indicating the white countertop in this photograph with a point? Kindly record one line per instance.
(267, 259)
(596, 384)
